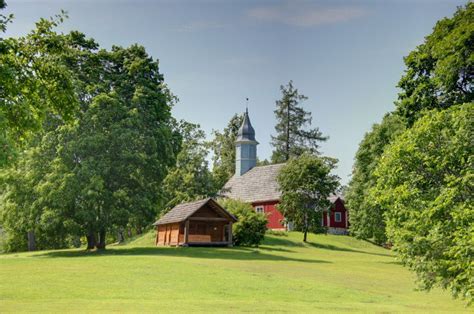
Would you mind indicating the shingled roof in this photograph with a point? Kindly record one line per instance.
(257, 185)
(182, 212)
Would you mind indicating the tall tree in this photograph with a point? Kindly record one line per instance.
(106, 169)
(306, 183)
(367, 218)
(440, 71)
(223, 148)
(35, 82)
(190, 178)
(292, 138)
(425, 179)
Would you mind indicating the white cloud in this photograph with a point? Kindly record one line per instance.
(304, 14)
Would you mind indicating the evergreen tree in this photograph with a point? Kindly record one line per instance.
(292, 138)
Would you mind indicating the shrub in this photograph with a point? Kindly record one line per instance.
(250, 228)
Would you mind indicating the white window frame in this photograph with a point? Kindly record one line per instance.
(260, 209)
(337, 214)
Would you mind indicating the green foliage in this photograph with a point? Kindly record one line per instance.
(223, 148)
(103, 171)
(292, 138)
(251, 226)
(440, 71)
(425, 180)
(35, 82)
(4, 20)
(366, 218)
(190, 179)
(306, 183)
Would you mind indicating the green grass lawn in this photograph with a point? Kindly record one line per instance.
(329, 274)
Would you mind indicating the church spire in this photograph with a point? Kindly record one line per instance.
(246, 147)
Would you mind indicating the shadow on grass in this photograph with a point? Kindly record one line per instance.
(337, 248)
(191, 252)
(288, 243)
(392, 263)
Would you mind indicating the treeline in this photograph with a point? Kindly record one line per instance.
(91, 153)
(412, 181)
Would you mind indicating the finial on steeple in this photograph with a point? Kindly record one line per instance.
(247, 106)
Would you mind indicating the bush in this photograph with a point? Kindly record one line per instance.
(250, 228)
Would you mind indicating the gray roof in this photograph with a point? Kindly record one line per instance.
(259, 184)
(182, 212)
(246, 132)
(256, 185)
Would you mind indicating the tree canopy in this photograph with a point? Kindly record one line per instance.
(425, 180)
(440, 71)
(190, 178)
(306, 183)
(223, 148)
(36, 81)
(366, 217)
(104, 169)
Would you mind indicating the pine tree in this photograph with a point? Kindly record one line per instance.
(292, 138)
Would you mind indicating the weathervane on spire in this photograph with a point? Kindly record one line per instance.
(247, 105)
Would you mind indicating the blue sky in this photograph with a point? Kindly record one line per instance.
(346, 56)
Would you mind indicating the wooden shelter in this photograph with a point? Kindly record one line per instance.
(203, 222)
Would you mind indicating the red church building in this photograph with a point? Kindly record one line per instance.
(259, 187)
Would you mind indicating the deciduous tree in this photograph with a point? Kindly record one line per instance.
(440, 72)
(425, 179)
(190, 179)
(306, 183)
(223, 148)
(35, 82)
(366, 218)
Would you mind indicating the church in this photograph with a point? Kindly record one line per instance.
(258, 186)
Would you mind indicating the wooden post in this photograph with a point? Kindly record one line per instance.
(157, 235)
(230, 233)
(186, 232)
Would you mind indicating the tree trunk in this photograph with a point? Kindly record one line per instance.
(101, 244)
(76, 242)
(120, 236)
(91, 242)
(305, 236)
(139, 230)
(129, 232)
(288, 133)
(31, 241)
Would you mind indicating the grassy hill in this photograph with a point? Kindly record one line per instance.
(329, 274)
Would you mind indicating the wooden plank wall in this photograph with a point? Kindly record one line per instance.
(168, 234)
